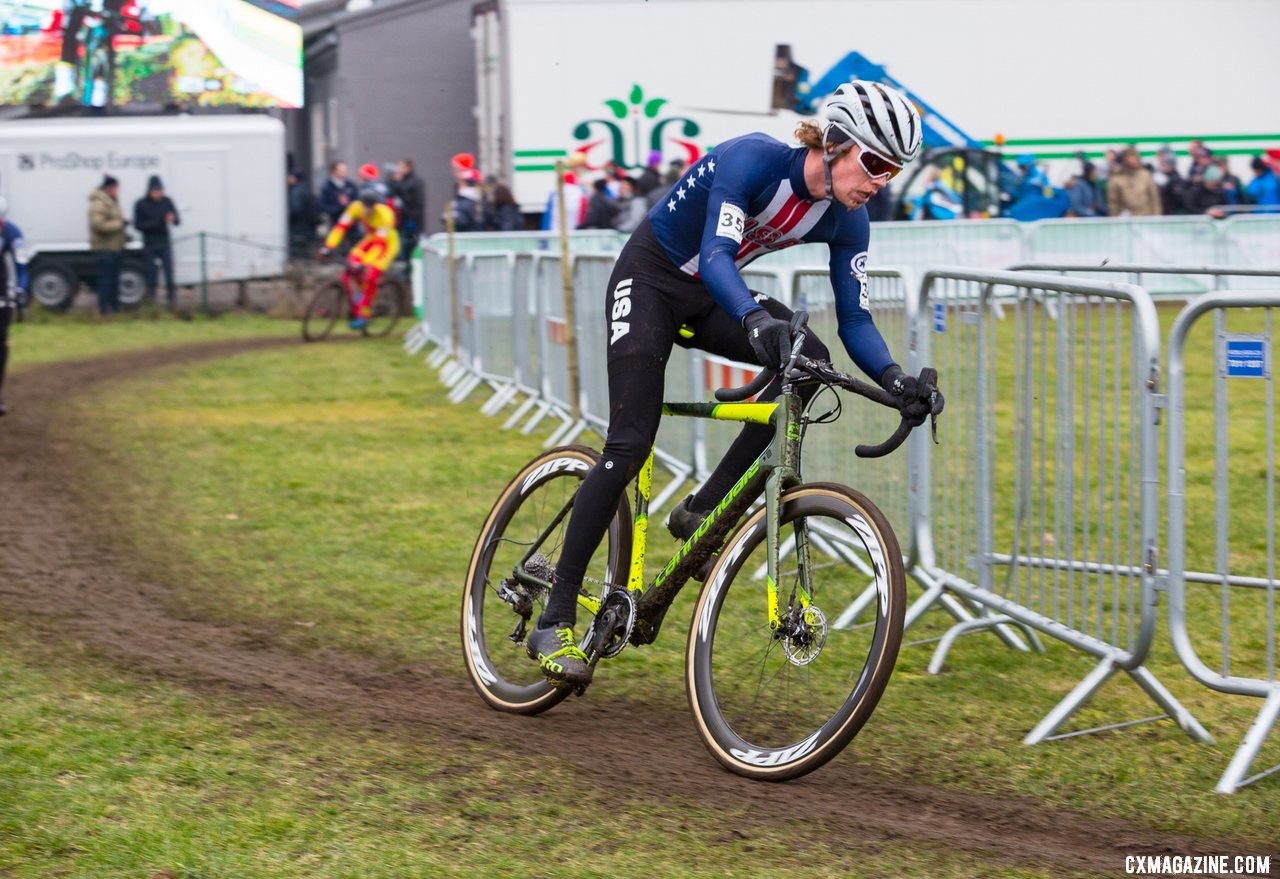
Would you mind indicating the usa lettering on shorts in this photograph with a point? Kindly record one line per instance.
(621, 309)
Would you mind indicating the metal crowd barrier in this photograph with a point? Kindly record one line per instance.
(1044, 508)
(1222, 514)
(1182, 281)
(1042, 515)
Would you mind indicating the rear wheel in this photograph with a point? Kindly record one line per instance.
(775, 703)
(507, 581)
(327, 304)
(384, 311)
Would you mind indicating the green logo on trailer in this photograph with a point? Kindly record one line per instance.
(634, 131)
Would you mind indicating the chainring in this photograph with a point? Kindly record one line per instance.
(613, 623)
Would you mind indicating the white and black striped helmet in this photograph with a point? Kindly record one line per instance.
(875, 115)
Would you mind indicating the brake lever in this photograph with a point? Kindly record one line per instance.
(933, 427)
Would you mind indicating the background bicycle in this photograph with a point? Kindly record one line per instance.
(332, 301)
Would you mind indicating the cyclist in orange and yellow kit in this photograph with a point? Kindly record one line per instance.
(372, 254)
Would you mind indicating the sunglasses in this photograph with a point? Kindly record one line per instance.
(875, 164)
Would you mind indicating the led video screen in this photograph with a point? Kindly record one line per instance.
(114, 53)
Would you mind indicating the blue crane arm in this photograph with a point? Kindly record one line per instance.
(938, 130)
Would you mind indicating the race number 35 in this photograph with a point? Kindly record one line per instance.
(732, 221)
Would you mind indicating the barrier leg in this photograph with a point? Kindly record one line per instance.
(935, 592)
(501, 398)
(521, 410)
(1046, 729)
(1232, 779)
(544, 408)
(566, 433)
(464, 388)
(1172, 706)
(452, 373)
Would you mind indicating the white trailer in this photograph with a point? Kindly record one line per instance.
(616, 79)
(225, 175)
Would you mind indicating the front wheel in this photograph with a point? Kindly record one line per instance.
(327, 305)
(511, 565)
(776, 701)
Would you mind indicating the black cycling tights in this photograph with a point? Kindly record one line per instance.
(636, 373)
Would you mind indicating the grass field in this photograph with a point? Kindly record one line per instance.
(330, 494)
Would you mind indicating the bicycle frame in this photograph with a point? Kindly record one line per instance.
(777, 467)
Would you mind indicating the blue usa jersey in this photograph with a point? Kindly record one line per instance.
(747, 197)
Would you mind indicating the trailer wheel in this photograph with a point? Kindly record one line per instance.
(53, 286)
(133, 285)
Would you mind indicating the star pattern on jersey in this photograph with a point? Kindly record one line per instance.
(694, 175)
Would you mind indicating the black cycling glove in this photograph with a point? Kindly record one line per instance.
(770, 338)
(919, 396)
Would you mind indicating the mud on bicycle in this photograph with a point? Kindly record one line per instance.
(799, 620)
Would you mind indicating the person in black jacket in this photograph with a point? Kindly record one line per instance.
(602, 210)
(302, 215)
(153, 214)
(411, 192)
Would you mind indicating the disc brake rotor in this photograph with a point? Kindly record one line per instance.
(807, 637)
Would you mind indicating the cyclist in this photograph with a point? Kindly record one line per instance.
(373, 253)
(677, 282)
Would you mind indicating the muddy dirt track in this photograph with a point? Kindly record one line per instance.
(63, 579)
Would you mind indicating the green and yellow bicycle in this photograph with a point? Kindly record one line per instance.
(779, 678)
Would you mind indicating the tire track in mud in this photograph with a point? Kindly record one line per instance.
(66, 578)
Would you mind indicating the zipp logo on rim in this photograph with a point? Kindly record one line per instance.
(550, 467)
(775, 757)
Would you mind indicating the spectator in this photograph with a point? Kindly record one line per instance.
(464, 169)
(12, 245)
(1232, 187)
(602, 209)
(1131, 191)
(1035, 198)
(650, 178)
(938, 201)
(1207, 194)
(302, 215)
(368, 175)
(1169, 183)
(632, 206)
(1264, 189)
(106, 240)
(1082, 193)
(336, 194)
(658, 193)
(153, 214)
(468, 209)
(411, 193)
(1201, 158)
(506, 210)
(575, 203)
